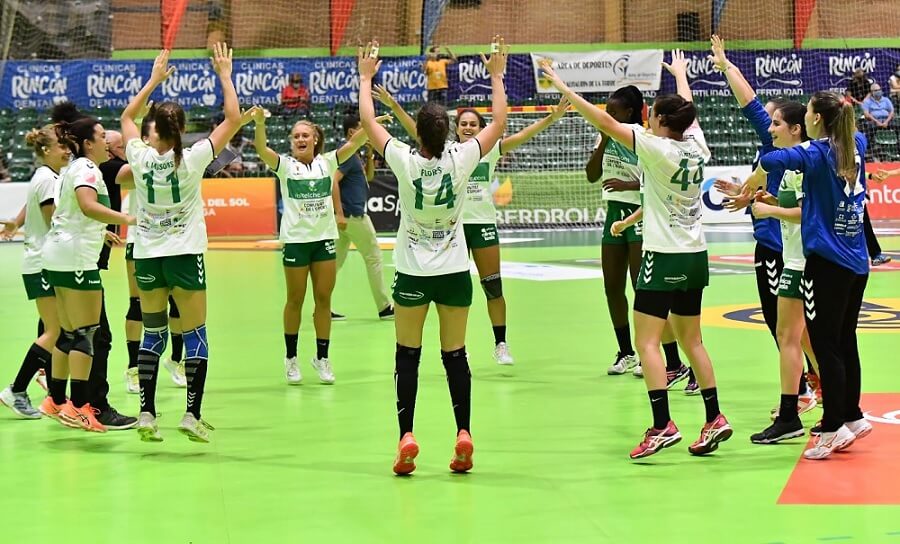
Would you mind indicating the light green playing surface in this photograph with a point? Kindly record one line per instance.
(313, 463)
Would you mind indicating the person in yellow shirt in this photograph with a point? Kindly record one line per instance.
(435, 67)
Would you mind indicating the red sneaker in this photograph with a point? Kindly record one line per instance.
(407, 451)
(462, 454)
(816, 385)
(657, 439)
(710, 435)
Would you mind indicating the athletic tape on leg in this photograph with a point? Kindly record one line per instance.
(64, 342)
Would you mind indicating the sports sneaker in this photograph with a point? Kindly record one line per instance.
(147, 428)
(195, 429)
(81, 418)
(816, 429)
(41, 379)
(805, 403)
(718, 430)
(407, 451)
(638, 372)
(292, 371)
(323, 368)
(113, 420)
(623, 364)
(462, 454)
(861, 428)
(778, 431)
(692, 388)
(828, 443)
(675, 376)
(502, 354)
(19, 403)
(387, 313)
(50, 408)
(655, 440)
(339, 317)
(879, 260)
(176, 370)
(132, 381)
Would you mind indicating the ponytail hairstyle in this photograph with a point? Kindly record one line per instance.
(72, 127)
(840, 126)
(320, 135)
(793, 113)
(674, 112)
(433, 127)
(170, 122)
(631, 97)
(41, 139)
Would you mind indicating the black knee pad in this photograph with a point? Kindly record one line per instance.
(455, 361)
(493, 286)
(407, 360)
(64, 342)
(173, 308)
(155, 321)
(83, 340)
(134, 309)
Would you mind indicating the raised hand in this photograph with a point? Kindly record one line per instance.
(384, 96)
(256, 114)
(717, 46)
(547, 66)
(677, 66)
(560, 109)
(221, 59)
(367, 60)
(384, 119)
(496, 64)
(728, 188)
(161, 69)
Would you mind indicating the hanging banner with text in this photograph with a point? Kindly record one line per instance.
(601, 71)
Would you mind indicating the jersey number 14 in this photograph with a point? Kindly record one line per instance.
(171, 179)
(444, 195)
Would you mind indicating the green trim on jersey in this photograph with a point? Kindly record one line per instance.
(80, 280)
(673, 271)
(446, 289)
(303, 189)
(37, 285)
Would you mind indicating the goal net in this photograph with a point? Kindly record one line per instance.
(98, 53)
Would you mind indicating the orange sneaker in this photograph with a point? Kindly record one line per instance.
(89, 416)
(68, 416)
(81, 418)
(462, 454)
(407, 451)
(50, 408)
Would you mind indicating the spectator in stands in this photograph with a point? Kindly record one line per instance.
(295, 97)
(894, 82)
(879, 114)
(858, 88)
(435, 68)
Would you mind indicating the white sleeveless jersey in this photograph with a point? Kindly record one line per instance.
(670, 184)
(619, 162)
(479, 208)
(41, 188)
(75, 240)
(306, 192)
(432, 198)
(169, 202)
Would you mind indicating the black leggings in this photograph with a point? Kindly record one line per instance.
(832, 297)
(768, 264)
(871, 240)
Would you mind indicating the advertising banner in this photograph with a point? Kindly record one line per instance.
(601, 71)
(239, 206)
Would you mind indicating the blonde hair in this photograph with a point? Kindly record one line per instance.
(41, 139)
(320, 135)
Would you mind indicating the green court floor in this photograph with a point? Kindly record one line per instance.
(552, 434)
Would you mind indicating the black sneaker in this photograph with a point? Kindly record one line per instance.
(817, 429)
(879, 260)
(675, 376)
(778, 431)
(387, 313)
(114, 421)
(338, 317)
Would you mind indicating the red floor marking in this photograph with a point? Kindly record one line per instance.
(867, 473)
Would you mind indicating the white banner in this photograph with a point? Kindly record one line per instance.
(601, 71)
(713, 212)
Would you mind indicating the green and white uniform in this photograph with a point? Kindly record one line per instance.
(479, 215)
(170, 235)
(790, 193)
(674, 247)
(619, 162)
(41, 191)
(430, 242)
(129, 237)
(72, 246)
(308, 226)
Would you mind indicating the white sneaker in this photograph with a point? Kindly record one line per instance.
(502, 354)
(623, 364)
(860, 428)
(638, 371)
(132, 381)
(828, 443)
(41, 378)
(195, 429)
(323, 368)
(292, 371)
(147, 428)
(176, 371)
(19, 403)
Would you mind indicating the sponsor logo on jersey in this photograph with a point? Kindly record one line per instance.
(148, 278)
(415, 295)
(675, 279)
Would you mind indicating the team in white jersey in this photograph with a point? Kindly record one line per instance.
(431, 252)
(674, 269)
(170, 237)
(35, 220)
